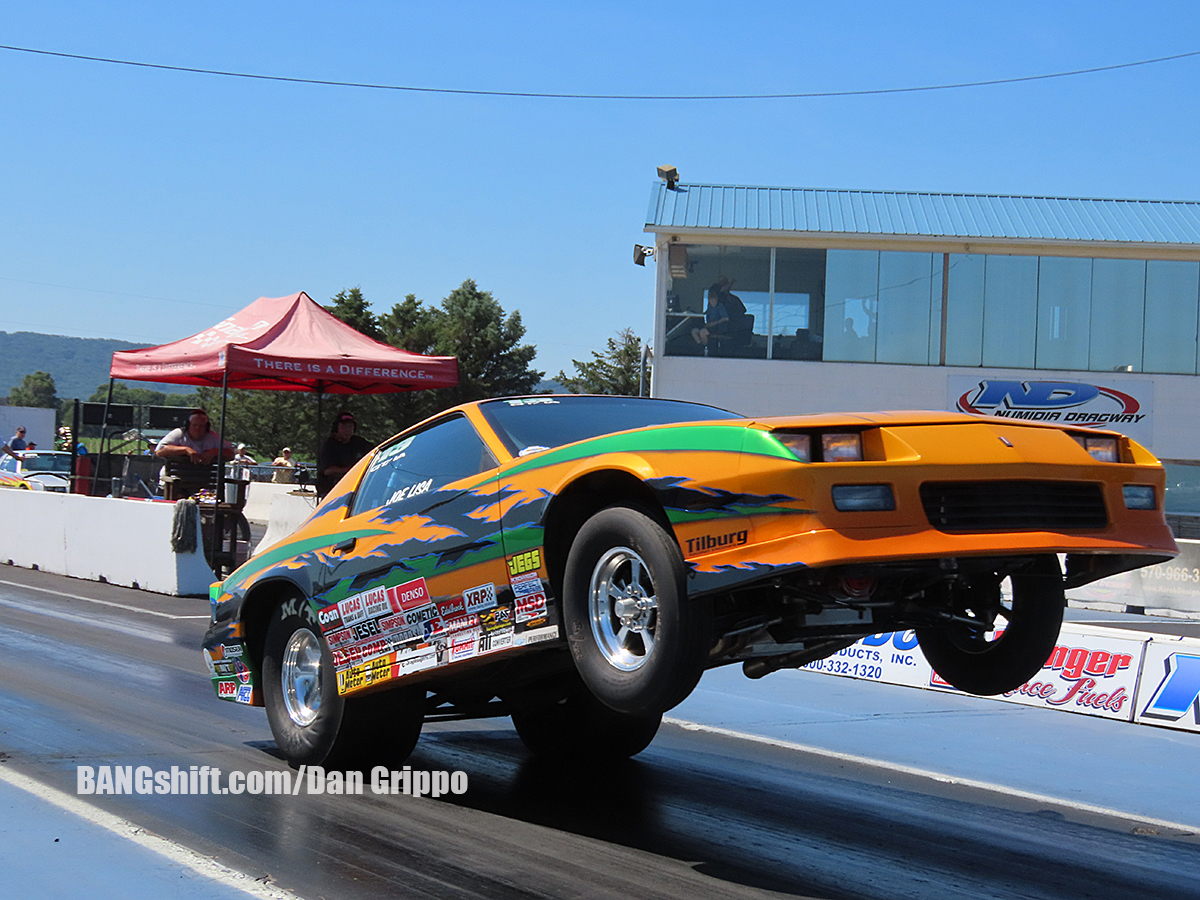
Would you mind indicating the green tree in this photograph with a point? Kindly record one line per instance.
(36, 390)
(471, 325)
(268, 421)
(618, 370)
(352, 308)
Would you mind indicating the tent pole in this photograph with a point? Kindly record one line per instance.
(320, 398)
(103, 440)
(218, 540)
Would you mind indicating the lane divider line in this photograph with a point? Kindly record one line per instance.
(930, 775)
(175, 853)
(148, 612)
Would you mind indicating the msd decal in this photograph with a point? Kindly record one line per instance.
(1052, 401)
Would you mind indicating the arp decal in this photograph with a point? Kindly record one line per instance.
(529, 561)
(227, 688)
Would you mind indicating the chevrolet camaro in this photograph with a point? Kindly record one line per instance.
(577, 562)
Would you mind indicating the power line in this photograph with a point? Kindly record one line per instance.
(553, 96)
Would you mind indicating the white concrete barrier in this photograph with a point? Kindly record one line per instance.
(124, 542)
(288, 512)
(259, 497)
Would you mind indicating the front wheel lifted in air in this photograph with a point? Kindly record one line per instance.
(994, 644)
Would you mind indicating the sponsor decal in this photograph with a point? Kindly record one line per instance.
(376, 603)
(243, 671)
(531, 606)
(409, 595)
(231, 649)
(463, 645)
(337, 638)
(245, 693)
(495, 619)
(529, 561)
(536, 636)
(707, 542)
(414, 618)
(416, 661)
(495, 641)
(223, 668)
(366, 629)
(357, 652)
(352, 678)
(524, 585)
(479, 598)
(208, 661)
(227, 688)
(329, 617)
(352, 609)
(455, 607)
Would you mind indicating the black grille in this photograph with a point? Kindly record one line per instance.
(1013, 505)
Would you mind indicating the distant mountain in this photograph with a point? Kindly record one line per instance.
(77, 365)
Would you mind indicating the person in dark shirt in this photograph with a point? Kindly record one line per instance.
(341, 450)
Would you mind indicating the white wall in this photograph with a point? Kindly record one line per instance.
(124, 542)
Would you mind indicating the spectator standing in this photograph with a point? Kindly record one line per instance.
(17, 441)
(285, 467)
(341, 450)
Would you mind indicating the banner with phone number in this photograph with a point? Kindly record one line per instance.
(1113, 673)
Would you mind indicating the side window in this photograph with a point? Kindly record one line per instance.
(422, 462)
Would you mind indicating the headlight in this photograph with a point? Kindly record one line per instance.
(1139, 496)
(863, 497)
(841, 447)
(1102, 449)
(799, 444)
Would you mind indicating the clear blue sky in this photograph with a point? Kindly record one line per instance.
(147, 205)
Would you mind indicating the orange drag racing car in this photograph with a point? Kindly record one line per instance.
(576, 562)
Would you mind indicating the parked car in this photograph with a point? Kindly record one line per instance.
(38, 470)
(577, 562)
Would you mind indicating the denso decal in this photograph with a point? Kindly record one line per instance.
(1178, 691)
(530, 607)
(227, 688)
(329, 617)
(410, 595)
(352, 609)
(1052, 401)
(529, 561)
(479, 598)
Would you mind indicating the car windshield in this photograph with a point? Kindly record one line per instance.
(530, 423)
(46, 462)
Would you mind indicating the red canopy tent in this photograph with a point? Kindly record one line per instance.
(286, 344)
(283, 344)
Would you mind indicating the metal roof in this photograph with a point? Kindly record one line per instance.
(897, 213)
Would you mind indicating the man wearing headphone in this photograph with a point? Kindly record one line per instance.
(196, 443)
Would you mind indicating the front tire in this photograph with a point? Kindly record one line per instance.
(311, 723)
(973, 658)
(638, 642)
